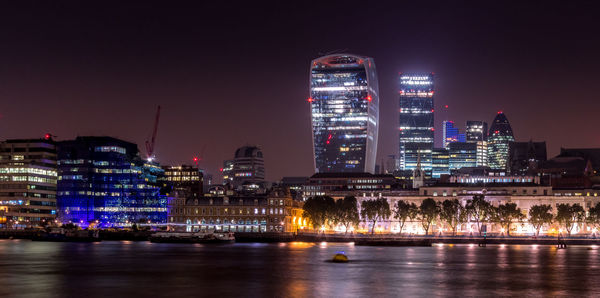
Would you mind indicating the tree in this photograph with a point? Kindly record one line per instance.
(453, 213)
(506, 214)
(346, 212)
(375, 210)
(318, 210)
(594, 218)
(403, 211)
(540, 215)
(569, 215)
(479, 210)
(429, 211)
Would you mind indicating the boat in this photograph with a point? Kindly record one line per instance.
(340, 257)
(192, 237)
(67, 235)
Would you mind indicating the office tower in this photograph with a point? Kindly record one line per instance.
(462, 155)
(227, 172)
(185, 179)
(103, 181)
(248, 166)
(451, 134)
(499, 138)
(416, 121)
(524, 158)
(476, 132)
(440, 164)
(27, 182)
(344, 102)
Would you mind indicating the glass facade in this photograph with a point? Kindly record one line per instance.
(499, 139)
(440, 162)
(27, 182)
(344, 106)
(477, 133)
(462, 155)
(103, 180)
(416, 121)
(451, 134)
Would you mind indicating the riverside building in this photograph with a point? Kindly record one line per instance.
(344, 105)
(416, 121)
(275, 212)
(103, 180)
(27, 182)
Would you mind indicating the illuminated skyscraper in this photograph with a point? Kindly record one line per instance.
(477, 133)
(450, 134)
(344, 101)
(416, 121)
(248, 166)
(499, 138)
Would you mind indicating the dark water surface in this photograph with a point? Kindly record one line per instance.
(142, 269)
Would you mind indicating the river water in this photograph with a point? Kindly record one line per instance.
(143, 269)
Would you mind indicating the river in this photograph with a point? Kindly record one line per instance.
(143, 269)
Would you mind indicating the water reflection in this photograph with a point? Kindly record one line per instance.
(295, 269)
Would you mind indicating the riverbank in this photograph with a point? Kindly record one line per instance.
(358, 239)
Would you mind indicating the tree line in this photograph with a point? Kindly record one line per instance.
(324, 212)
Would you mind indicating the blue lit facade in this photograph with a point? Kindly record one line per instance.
(344, 102)
(416, 121)
(103, 179)
(451, 134)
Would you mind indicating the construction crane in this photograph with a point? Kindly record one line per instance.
(150, 144)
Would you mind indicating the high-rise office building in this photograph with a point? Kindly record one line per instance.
(499, 138)
(476, 132)
(451, 134)
(416, 121)
(27, 182)
(248, 166)
(184, 179)
(440, 164)
(227, 171)
(344, 102)
(462, 155)
(104, 180)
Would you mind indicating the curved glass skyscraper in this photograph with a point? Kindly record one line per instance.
(499, 139)
(344, 102)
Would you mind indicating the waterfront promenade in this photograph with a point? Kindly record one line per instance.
(358, 238)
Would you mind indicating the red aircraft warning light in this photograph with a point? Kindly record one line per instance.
(310, 99)
(369, 98)
(47, 136)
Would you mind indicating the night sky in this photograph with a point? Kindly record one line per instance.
(228, 75)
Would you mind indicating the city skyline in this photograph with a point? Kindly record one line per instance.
(108, 80)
